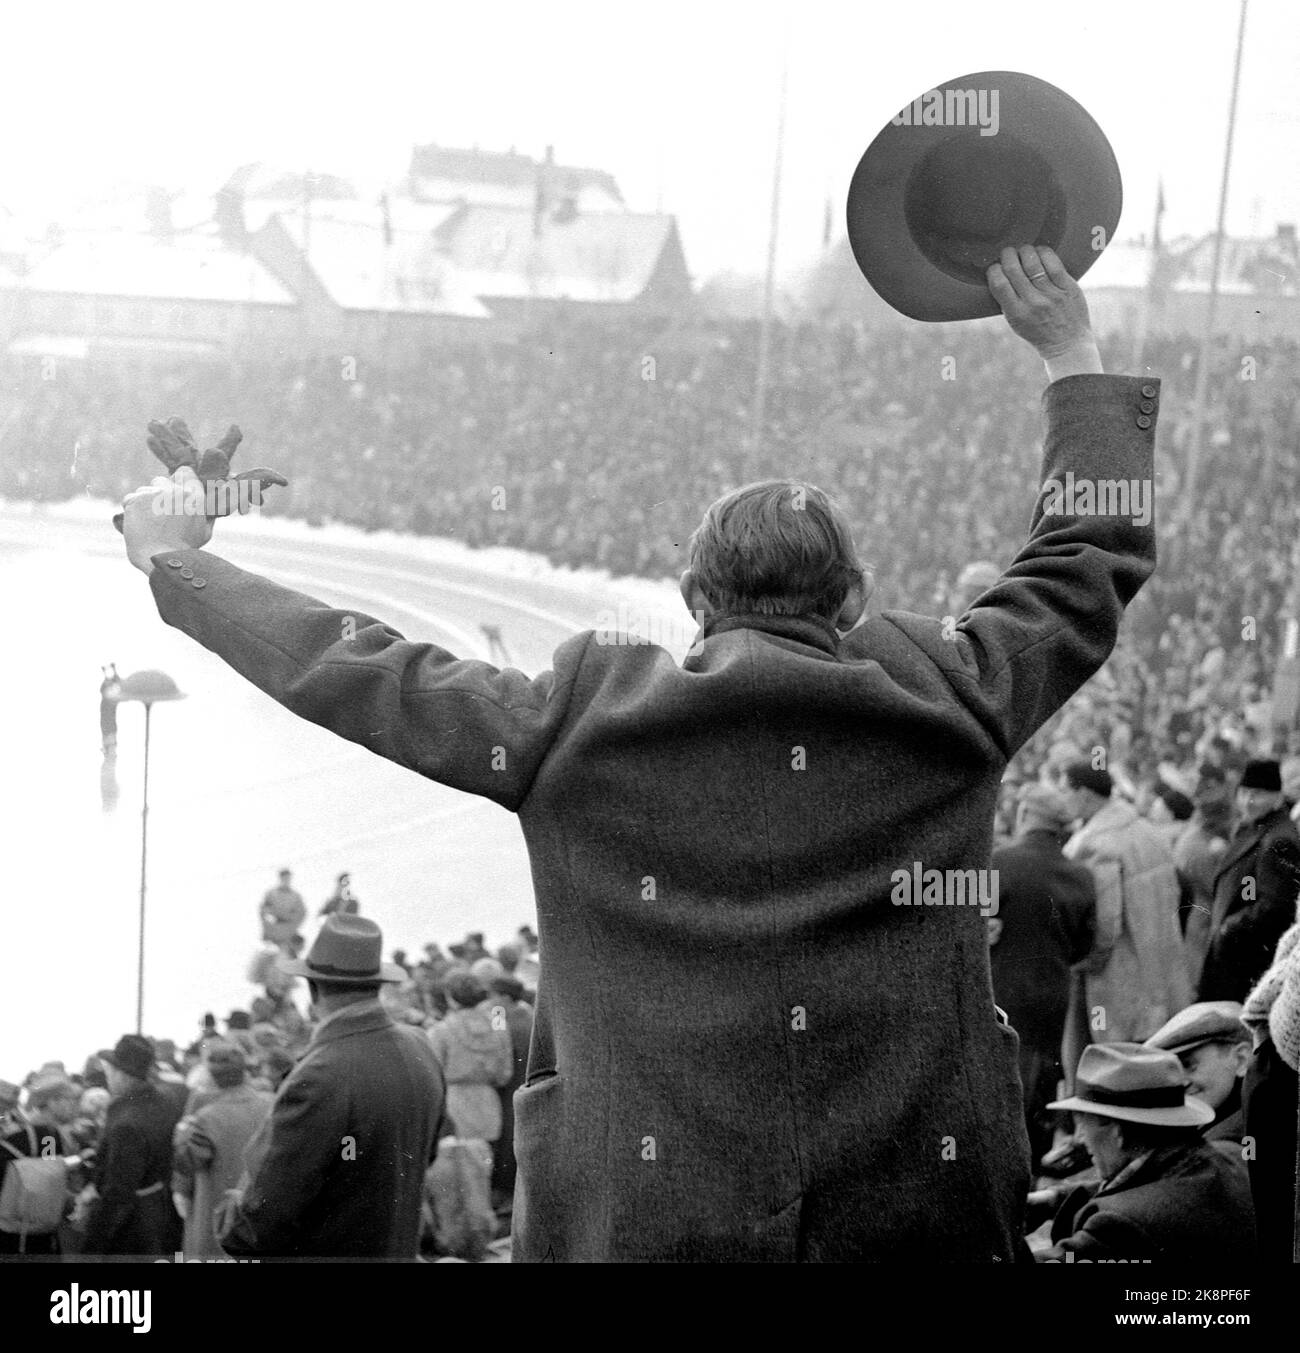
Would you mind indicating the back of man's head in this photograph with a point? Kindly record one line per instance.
(775, 548)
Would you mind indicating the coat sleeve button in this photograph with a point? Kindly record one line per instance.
(187, 573)
(199, 582)
(173, 563)
(1147, 406)
(1143, 421)
(1148, 392)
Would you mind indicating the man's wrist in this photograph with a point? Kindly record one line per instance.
(1079, 359)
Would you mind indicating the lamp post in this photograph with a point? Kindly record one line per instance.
(147, 688)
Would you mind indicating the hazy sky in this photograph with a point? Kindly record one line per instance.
(678, 100)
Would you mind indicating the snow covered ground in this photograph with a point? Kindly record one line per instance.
(238, 787)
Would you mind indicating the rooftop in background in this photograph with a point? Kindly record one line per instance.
(506, 178)
(511, 252)
(1252, 265)
(187, 267)
(367, 258)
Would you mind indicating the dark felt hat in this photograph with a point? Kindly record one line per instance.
(982, 161)
(1262, 775)
(347, 951)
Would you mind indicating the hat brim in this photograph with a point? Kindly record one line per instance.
(1192, 1112)
(300, 967)
(908, 171)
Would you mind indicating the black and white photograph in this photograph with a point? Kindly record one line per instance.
(721, 586)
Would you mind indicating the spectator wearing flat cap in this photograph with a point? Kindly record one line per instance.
(1165, 1193)
(1044, 925)
(337, 1170)
(1135, 978)
(1213, 1044)
(210, 1143)
(131, 1212)
(1255, 887)
(38, 1130)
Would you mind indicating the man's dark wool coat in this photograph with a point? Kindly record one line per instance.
(338, 1170)
(133, 1177)
(744, 1049)
(1047, 907)
(1255, 893)
(1188, 1203)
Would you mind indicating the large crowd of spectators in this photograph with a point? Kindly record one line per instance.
(600, 446)
(215, 1093)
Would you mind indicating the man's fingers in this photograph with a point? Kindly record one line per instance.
(1056, 270)
(1024, 288)
(1035, 270)
(1003, 292)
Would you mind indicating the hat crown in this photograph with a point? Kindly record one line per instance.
(346, 948)
(133, 1054)
(1119, 1073)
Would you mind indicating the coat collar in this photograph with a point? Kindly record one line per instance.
(811, 630)
(1249, 835)
(1148, 1167)
(363, 1018)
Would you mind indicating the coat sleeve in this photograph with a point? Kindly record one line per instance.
(459, 721)
(1028, 643)
(305, 1136)
(1103, 1237)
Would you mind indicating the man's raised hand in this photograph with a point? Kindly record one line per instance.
(165, 514)
(1045, 306)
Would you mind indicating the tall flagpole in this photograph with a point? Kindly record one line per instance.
(144, 874)
(1153, 281)
(759, 414)
(1212, 305)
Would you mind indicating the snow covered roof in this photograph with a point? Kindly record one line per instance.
(191, 267)
(597, 256)
(363, 267)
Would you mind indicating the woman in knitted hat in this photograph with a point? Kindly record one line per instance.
(1269, 1100)
(209, 1146)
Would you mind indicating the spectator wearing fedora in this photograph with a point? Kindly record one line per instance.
(131, 1212)
(1165, 1193)
(1213, 1044)
(1043, 927)
(1254, 889)
(1135, 978)
(337, 1171)
(209, 1146)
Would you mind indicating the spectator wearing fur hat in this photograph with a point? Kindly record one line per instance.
(1255, 887)
(1044, 925)
(1136, 977)
(1213, 1045)
(1165, 1193)
(209, 1146)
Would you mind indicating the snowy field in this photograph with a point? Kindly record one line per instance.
(238, 786)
